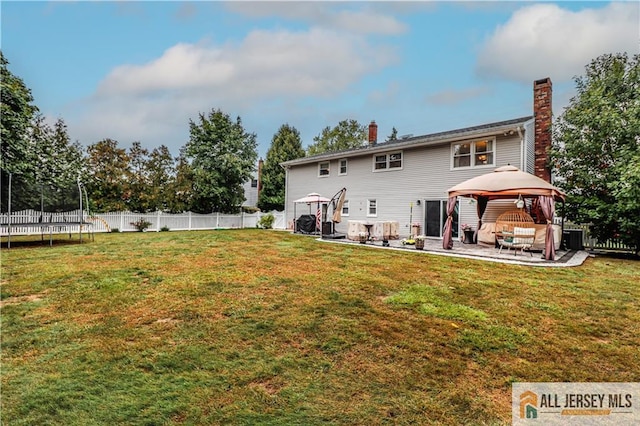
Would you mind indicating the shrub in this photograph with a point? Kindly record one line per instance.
(266, 221)
(115, 230)
(141, 224)
(164, 229)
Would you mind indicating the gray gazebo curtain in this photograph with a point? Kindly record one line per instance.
(447, 240)
(547, 205)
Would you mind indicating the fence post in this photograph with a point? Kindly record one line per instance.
(217, 219)
(158, 223)
(121, 221)
(189, 220)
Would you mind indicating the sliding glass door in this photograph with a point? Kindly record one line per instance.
(435, 213)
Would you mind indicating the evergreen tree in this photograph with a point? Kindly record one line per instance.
(285, 145)
(223, 157)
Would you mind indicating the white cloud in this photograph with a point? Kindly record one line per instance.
(452, 97)
(153, 102)
(546, 40)
(364, 19)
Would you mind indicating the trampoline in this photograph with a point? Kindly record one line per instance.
(31, 208)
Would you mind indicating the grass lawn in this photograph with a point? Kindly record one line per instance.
(263, 327)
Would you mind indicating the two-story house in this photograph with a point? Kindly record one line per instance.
(406, 180)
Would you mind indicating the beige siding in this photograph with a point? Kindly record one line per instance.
(426, 174)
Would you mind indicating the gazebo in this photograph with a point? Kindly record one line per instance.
(507, 182)
(310, 199)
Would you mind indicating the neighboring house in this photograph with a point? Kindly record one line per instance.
(406, 180)
(252, 187)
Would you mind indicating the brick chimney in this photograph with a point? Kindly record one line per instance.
(373, 133)
(542, 116)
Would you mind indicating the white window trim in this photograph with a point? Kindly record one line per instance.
(345, 204)
(328, 169)
(388, 160)
(346, 165)
(369, 214)
(473, 154)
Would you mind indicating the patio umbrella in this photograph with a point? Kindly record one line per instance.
(337, 211)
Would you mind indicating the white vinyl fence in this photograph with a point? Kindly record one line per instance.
(122, 221)
(182, 221)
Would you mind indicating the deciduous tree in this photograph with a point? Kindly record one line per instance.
(596, 149)
(346, 134)
(108, 168)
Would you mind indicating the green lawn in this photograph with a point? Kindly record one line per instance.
(264, 327)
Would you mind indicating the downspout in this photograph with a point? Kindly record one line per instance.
(523, 154)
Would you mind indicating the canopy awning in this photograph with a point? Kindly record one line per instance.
(506, 182)
(313, 197)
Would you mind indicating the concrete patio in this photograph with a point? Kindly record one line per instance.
(564, 258)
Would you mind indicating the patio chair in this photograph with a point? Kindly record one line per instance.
(522, 238)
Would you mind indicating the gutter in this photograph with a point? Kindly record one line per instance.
(416, 142)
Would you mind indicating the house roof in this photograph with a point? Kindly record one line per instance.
(416, 141)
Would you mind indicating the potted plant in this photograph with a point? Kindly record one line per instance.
(419, 240)
(362, 237)
(468, 232)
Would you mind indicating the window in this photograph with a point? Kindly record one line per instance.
(473, 154)
(372, 208)
(343, 166)
(345, 208)
(387, 161)
(323, 169)
(254, 183)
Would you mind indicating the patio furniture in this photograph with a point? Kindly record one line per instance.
(512, 218)
(520, 238)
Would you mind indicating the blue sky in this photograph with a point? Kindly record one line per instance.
(138, 71)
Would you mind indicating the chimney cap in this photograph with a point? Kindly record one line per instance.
(545, 80)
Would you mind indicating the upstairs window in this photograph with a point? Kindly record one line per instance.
(473, 154)
(343, 167)
(323, 169)
(254, 183)
(387, 161)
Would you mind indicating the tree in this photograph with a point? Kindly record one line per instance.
(223, 157)
(596, 149)
(180, 190)
(393, 136)
(18, 112)
(160, 177)
(347, 134)
(108, 168)
(285, 145)
(59, 164)
(137, 183)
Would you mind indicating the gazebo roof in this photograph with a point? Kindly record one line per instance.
(506, 182)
